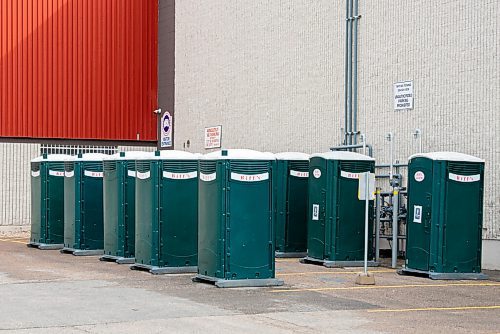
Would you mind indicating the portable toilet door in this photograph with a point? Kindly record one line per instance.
(290, 193)
(445, 200)
(119, 207)
(47, 198)
(146, 213)
(83, 205)
(421, 183)
(179, 212)
(319, 199)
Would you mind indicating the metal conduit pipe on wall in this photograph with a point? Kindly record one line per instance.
(354, 64)
(351, 73)
(347, 81)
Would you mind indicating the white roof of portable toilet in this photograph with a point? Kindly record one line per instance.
(129, 155)
(447, 156)
(89, 157)
(52, 157)
(169, 155)
(239, 154)
(292, 156)
(342, 155)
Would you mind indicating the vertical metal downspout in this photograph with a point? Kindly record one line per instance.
(354, 70)
(349, 77)
(346, 77)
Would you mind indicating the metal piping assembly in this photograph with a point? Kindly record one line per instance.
(350, 147)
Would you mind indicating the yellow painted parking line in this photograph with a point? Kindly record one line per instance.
(15, 240)
(364, 287)
(461, 308)
(5, 239)
(332, 272)
(288, 260)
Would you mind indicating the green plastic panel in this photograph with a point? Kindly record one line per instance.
(119, 208)
(146, 214)
(83, 213)
(179, 213)
(211, 213)
(55, 203)
(37, 205)
(71, 205)
(319, 185)
(291, 206)
(420, 195)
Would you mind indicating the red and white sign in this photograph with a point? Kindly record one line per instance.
(35, 174)
(69, 174)
(56, 173)
(208, 177)
(419, 176)
(349, 175)
(249, 178)
(299, 174)
(143, 176)
(93, 174)
(213, 137)
(464, 178)
(317, 173)
(180, 176)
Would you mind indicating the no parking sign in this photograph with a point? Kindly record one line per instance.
(166, 130)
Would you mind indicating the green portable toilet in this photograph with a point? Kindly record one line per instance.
(336, 217)
(83, 205)
(292, 173)
(119, 207)
(166, 234)
(236, 237)
(444, 224)
(47, 201)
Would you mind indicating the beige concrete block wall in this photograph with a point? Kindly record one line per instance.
(450, 50)
(15, 186)
(272, 74)
(15, 193)
(267, 71)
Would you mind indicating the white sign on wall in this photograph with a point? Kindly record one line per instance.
(403, 95)
(213, 137)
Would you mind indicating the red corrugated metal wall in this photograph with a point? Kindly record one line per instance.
(79, 69)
